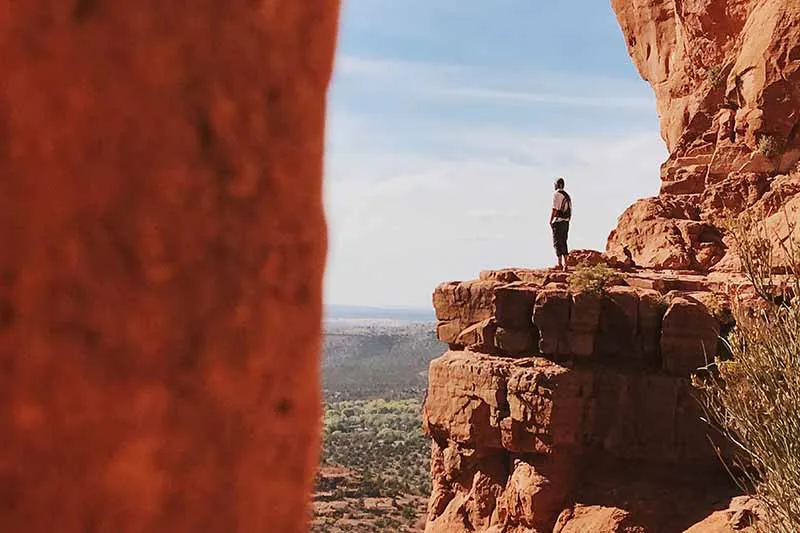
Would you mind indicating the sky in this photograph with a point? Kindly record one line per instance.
(448, 121)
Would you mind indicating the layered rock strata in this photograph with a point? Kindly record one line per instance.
(726, 76)
(550, 397)
(558, 409)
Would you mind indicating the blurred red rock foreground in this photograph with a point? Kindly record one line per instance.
(163, 243)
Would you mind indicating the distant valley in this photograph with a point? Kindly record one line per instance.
(374, 369)
(371, 353)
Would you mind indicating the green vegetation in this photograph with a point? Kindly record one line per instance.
(714, 75)
(370, 515)
(382, 442)
(375, 459)
(769, 146)
(369, 362)
(592, 278)
(754, 396)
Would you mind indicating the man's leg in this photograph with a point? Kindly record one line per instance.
(560, 243)
(554, 228)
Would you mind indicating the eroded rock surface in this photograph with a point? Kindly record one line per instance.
(558, 409)
(726, 75)
(589, 422)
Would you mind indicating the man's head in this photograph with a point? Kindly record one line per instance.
(559, 184)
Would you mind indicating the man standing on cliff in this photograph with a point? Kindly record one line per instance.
(559, 222)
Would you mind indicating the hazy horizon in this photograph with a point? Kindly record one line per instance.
(448, 122)
(371, 312)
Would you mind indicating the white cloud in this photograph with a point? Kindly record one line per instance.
(390, 69)
(394, 239)
(500, 86)
(552, 99)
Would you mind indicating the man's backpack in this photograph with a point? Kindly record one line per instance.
(566, 206)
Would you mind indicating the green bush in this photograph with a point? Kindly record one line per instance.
(714, 75)
(594, 279)
(382, 442)
(769, 146)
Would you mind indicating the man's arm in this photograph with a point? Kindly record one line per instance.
(553, 214)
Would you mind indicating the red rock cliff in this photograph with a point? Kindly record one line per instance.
(558, 409)
(726, 75)
(566, 411)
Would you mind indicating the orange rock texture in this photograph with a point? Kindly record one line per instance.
(563, 409)
(163, 244)
(726, 75)
(559, 409)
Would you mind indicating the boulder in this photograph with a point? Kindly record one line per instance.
(513, 437)
(535, 492)
(587, 258)
(595, 519)
(163, 253)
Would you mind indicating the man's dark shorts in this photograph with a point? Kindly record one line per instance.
(560, 233)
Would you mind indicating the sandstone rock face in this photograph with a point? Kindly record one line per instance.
(592, 428)
(161, 275)
(583, 518)
(689, 336)
(740, 515)
(726, 75)
(561, 410)
(459, 305)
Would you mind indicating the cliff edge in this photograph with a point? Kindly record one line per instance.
(561, 408)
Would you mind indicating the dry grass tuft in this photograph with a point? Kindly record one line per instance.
(754, 398)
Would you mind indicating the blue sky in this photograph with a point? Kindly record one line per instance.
(447, 123)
